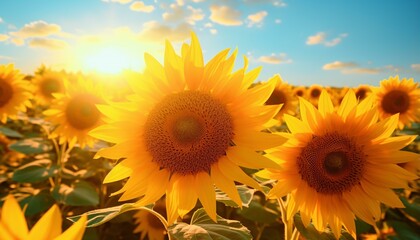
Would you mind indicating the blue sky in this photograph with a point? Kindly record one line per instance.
(336, 43)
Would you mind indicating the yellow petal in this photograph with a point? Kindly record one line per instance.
(228, 168)
(76, 231)
(295, 125)
(5, 234)
(362, 205)
(325, 104)
(13, 219)
(258, 140)
(248, 158)
(206, 194)
(174, 68)
(49, 226)
(117, 173)
(156, 187)
(382, 194)
(225, 184)
(185, 187)
(194, 64)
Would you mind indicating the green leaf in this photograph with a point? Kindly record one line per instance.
(35, 171)
(31, 146)
(258, 213)
(310, 231)
(100, 216)
(10, 133)
(80, 193)
(245, 193)
(405, 230)
(411, 208)
(37, 203)
(203, 227)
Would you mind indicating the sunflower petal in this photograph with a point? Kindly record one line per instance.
(206, 194)
(248, 158)
(12, 218)
(76, 231)
(225, 184)
(49, 226)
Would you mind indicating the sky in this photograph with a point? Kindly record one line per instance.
(335, 43)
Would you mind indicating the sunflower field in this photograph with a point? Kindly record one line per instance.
(188, 149)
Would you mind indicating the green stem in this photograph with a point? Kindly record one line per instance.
(287, 227)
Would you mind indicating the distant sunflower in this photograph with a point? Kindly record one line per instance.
(403, 97)
(314, 92)
(75, 113)
(283, 95)
(149, 225)
(189, 126)
(47, 82)
(299, 91)
(362, 91)
(15, 93)
(339, 164)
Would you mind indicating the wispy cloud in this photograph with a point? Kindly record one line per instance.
(139, 6)
(276, 3)
(5, 58)
(177, 13)
(277, 21)
(225, 15)
(37, 29)
(338, 65)
(321, 38)
(52, 44)
(118, 1)
(257, 18)
(195, 16)
(416, 67)
(155, 31)
(275, 58)
(3, 37)
(355, 68)
(1, 20)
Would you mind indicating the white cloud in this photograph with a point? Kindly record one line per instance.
(416, 67)
(321, 38)
(338, 65)
(5, 58)
(275, 59)
(176, 14)
(53, 44)
(118, 1)
(276, 3)
(361, 71)
(18, 41)
(224, 15)
(155, 31)
(208, 25)
(213, 31)
(195, 16)
(37, 29)
(139, 6)
(1, 20)
(3, 37)
(277, 21)
(257, 18)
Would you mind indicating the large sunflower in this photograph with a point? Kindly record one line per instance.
(75, 113)
(15, 93)
(283, 94)
(399, 96)
(47, 82)
(189, 126)
(338, 164)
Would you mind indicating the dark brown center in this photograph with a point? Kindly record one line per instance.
(187, 132)
(6, 92)
(81, 111)
(332, 163)
(299, 92)
(315, 92)
(50, 86)
(395, 101)
(361, 93)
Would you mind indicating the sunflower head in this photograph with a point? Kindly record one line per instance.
(399, 96)
(75, 113)
(299, 91)
(283, 95)
(189, 126)
(344, 160)
(149, 225)
(15, 93)
(48, 82)
(362, 91)
(314, 92)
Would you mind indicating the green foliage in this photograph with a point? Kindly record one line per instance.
(31, 146)
(35, 171)
(79, 193)
(244, 192)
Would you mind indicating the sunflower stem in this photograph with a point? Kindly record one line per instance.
(287, 227)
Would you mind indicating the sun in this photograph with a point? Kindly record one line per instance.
(110, 59)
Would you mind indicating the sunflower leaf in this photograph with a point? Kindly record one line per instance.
(35, 171)
(10, 133)
(101, 216)
(31, 146)
(80, 193)
(203, 227)
(310, 232)
(259, 213)
(245, 194)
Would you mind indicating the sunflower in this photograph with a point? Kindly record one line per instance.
(13, 224)
(149, 225)
(47, 82)
(314, 92)
(75, 113)
(338, 164)
(362, 91)
(299, 91)
(399, 96)
(188, 127)
(283, 95)
(15, 93)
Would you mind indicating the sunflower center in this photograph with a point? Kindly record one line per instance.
(315, 93)
(361, 94)
(332, 163)
(154, 221)
(50, 86)
(81, 111)
(6, 92)
(187, 132)
(299, 93)
(396, 101)
(277, 97)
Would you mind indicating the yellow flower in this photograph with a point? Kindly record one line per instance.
(338, 164)
(299, 91)
(47, 82)
(403, 97)
(149, 225)
(75, 113)
(314, 92)
(189, 126)
(362, 91)
(283, 95)
(14, 92)
(13, 224)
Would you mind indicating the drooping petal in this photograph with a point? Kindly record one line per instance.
(206, 194)
(49, 226)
